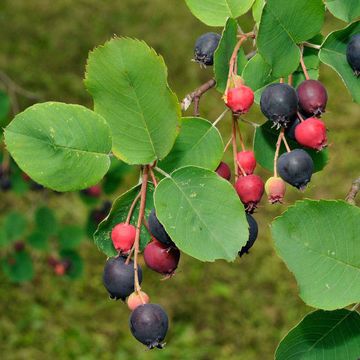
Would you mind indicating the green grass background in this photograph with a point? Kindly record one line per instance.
(217, 311)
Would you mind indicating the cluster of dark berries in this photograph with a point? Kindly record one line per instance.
(297, 112)
(148, 322)
(353, 54)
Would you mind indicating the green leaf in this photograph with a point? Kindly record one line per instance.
(265, 145)
(76, 263)
(199, 144)
(330, 335)
(223, 54)
(63, 147)
(202, 214)
(128, 82)
(38, 240)
(333, 53)
(347, 10)
(18, 267)
(15, 225)
(4, 108)
(70, 236)
(216, 12)
(257, 75)
(258, 9)
(280, 31)
(46, 221)
(118, 214)
(319, 242)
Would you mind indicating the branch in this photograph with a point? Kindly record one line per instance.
(196, 95)
(355, 188)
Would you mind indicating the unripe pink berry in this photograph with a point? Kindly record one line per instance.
(134, 300)
(275, 188)
(250, 189)
(123, 237)
(224, 171)
(247, 161)
(161, 258)
(94, 191)
(312, 134)
(240, 99)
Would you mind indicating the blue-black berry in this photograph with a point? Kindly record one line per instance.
(205, 47)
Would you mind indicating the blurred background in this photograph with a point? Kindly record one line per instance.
(217, 310)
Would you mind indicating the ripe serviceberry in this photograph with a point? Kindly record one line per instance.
(239, 99)
(253, 233)
(250, 189)
(296, 168)
(353, 54)
(205, 47)
(136, 299)
(157, 230)
(275, 188)
(312, 134)
(118, 277)
(161, 258)
(279, 103)
(290, 130)
(123, 237)
(149, 324)
(246, 160)
(224, 171)
(312, 97)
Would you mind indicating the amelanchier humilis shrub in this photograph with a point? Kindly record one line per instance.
(188, 199)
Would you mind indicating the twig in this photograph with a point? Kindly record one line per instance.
(153, 178)
(355, 188)
(303, 66)
(196, 95)
(144, 184)
(234, 146)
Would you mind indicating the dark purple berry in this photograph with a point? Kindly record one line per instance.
(312, 97)
(205, 47)
(149, 324)
(279, 103)
(253, 233)
(296, 168)
(118, 277)
(157, 230)
(353, 54)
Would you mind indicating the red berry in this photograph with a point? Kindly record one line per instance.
(312, 134)
(60, 269)
(247, 161)
(134, 300)
(224, 171)
(275, 188)
(239, 99)
(94, 191)
(250, 189)
(123, 237)
(312, 97)
(161, 258)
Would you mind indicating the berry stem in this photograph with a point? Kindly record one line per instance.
(196, 95)
(281, 81)
(286, 143)
(132, 207)
(153, 178)
(227, 144)
(300, 117)
(303, 66)
(234, 146)
(138, 227)
(278, 144)
(290, 79)
(240, 135)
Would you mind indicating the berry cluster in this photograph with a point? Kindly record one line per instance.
(148, 322)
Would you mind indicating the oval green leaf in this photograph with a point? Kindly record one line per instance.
(216, 12)
(128, 82)
(330, 335)
(265, 145)
(18, 267)
(118, 214)
(199, 143)
(60, 146)
(223, 54)
(46, 220)
(319, 242)
(280, 31)
(202, 214)
(347, 10)
(333, 53)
